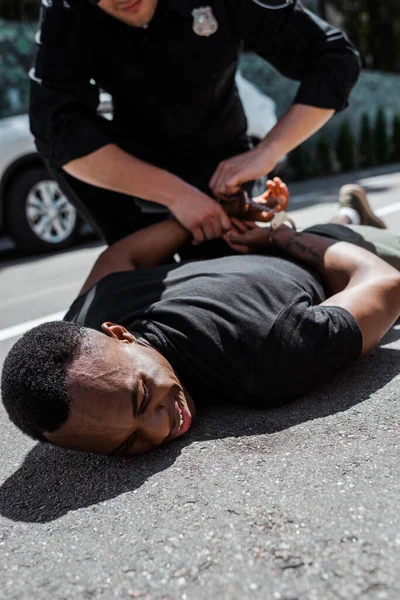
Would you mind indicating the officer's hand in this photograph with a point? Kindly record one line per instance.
(201, 215)
(233, 172)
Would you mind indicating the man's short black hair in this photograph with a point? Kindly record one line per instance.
(34, 379)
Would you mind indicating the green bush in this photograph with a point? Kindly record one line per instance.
(17, 49)
(395, 156)
(324, 156)
(346, 148)
(366, 145)
(381, 138)
(299, 160)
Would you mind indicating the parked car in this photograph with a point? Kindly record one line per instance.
(260, 110)
(33, 210)
(35, 213)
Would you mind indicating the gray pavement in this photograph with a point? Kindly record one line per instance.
(298, 503)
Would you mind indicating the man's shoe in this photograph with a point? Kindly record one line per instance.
(354, 196)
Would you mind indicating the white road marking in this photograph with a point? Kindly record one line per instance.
(21, 328)
(376, 181)
(387, 210)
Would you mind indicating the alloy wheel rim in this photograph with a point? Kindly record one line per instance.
(50, 215)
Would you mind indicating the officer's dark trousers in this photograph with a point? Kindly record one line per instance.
(111, 214)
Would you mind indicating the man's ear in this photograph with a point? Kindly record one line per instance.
(118, 332)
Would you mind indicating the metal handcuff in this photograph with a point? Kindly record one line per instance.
(275, 207)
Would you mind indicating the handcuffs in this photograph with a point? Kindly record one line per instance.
(275, 207)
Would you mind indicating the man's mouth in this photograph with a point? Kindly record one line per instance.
(182, 420)
(131, 7)
(185, 418)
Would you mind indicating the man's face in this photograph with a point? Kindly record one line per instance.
(136, 13)
(126, 398)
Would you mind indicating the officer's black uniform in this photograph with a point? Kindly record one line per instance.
(175, 101)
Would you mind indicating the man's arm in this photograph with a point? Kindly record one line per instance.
(360, 282)
(145, 248)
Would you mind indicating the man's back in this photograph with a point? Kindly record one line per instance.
(239, 329)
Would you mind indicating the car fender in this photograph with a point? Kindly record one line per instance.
(17, 152)
(16, 140)
(8, 176)
(260, 110)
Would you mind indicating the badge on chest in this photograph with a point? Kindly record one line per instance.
(204, 21)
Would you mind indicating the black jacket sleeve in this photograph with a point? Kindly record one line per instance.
(64, 102)
(303, 47)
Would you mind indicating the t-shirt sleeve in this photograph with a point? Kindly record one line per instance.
(310, 344)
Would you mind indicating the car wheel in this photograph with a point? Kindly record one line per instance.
(39, 217)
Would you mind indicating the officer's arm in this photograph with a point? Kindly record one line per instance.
(306, 49)
(70, 135)
(302, 47)
(112, 168)
(63, 116)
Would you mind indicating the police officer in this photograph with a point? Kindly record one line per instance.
(178, 133)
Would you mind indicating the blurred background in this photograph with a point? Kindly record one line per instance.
(365, 135)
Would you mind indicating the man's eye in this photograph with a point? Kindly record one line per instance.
(145, 399)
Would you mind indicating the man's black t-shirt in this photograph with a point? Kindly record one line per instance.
(243, 329)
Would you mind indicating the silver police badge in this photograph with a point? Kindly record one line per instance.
(204, 21)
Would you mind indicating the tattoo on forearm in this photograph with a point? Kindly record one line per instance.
(297, 247)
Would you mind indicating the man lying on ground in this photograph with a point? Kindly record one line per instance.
(141, 346)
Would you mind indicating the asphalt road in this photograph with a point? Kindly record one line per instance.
(299, 503)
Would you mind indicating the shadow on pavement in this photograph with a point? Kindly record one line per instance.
(51, 482)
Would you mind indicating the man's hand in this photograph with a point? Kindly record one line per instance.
(275, 198)
(239, 228)
(233, 172)
(260, 208)
(256, 239)
(202, 216)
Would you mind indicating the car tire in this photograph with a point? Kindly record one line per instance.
(38, 216)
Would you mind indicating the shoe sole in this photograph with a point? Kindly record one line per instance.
(358, 200)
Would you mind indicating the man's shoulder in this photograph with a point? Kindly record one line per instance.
(61, 16)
